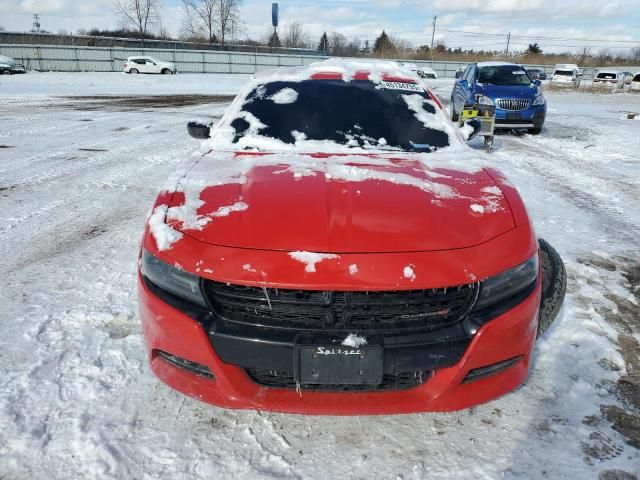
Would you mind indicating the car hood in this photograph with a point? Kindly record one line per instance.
(509, 91)
(341, 204)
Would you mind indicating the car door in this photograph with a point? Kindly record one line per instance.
(152, 66)
(460, 90)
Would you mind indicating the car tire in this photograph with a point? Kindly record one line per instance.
(166, 71)
(134, 71)
(534, 131)
(554, 286)
(454, 115)
(5, 72)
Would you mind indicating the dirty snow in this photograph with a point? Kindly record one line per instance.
(77, 399)
(354, 340)
(310, 259)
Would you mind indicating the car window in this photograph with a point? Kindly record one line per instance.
(568, 73)
(503, 75)
(139, 61)
(469, 74)
(607, 76)
(356, 114)
(637, 78)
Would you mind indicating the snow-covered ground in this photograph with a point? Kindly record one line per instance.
(77, 400)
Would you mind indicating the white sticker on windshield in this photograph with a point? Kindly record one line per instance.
(412, 87)
(518, 72)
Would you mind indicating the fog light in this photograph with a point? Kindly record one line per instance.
(483, 372)
(187, 365)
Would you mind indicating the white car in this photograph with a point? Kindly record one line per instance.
(148, 65)
(609, 78)
(567, 75)
(635, 83)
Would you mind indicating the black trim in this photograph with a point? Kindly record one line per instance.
(484, 372)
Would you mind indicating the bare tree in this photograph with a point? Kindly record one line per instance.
(139, 15)
(295, 36)
(215, 19)
(200, 17)
(228, 18)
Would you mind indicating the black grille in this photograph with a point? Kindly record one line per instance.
(285, 380)
(368, 312)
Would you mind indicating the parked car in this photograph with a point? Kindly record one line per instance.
(422, 70)
(609, 78)
(9, 66)
(518, 99)
(339, 250)
(635, 83)
(566, 75)
(148, 65)
(628, 77)
(537, 74)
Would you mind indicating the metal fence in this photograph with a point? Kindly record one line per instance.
(100, 59)
(97, 59)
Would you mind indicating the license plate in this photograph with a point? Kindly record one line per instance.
(338, 365)
(514, 116)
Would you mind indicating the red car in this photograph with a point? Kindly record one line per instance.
(334, 249)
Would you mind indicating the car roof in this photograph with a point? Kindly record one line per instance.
(336, 68)
(496, 64)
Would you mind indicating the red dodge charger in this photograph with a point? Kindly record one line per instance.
(333, 248)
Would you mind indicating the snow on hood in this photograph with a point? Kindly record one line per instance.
(224, 185)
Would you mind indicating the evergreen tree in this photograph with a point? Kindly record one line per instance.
(323, 46)
(534, 48)
(274, 40)
(383, 45)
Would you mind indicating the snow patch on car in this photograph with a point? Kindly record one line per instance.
(477, 208)
(284, 96)
(164, 235)
(492, 190)
(353, 269)
(310, 259)
(354, 340)
(409, 273)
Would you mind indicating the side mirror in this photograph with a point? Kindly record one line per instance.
(198, 130)
(537, 82)
(471, 128)
(459, 74)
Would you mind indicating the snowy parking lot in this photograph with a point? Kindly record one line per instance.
(81, 158)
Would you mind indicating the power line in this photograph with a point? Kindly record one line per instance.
(540, 37)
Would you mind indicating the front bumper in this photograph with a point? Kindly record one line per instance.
(167, 329)
(532, 117)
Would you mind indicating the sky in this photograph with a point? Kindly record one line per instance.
(556, 25)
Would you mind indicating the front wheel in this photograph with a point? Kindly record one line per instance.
(554, 285)
(534, 131)
(454, 115)
(5, 72)
(166, 71)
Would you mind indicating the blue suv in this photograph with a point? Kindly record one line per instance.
(518, 99)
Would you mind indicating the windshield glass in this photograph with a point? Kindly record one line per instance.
(637, 78)
(568, 73)
(359, 113)
(503, 75)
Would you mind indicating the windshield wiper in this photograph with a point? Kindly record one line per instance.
(422, 147)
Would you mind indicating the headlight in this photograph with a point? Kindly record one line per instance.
(171, 279)
(508, 284)
(540, 100)
(484, 100)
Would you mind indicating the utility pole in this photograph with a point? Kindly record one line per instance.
(36, 23)
(433, 34)
(508, 41)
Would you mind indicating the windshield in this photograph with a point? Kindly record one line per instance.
(637, 78)
(568, 73)
(503, 75)
(359, 113)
